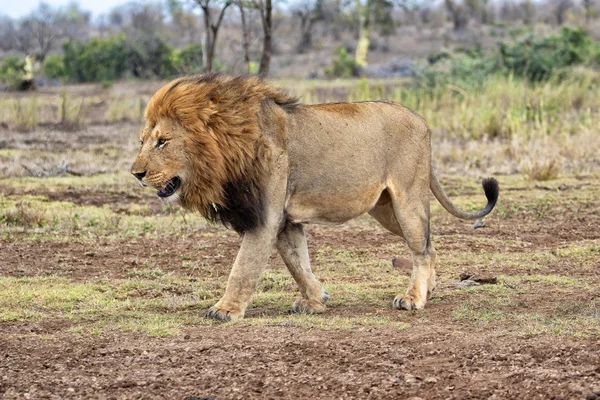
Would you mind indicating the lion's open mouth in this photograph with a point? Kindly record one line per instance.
(170, 188)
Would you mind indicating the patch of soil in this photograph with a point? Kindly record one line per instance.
(118, 201)
(83, 260)
(286, 362)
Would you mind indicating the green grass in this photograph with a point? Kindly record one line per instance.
(147, 306)
(543, 289)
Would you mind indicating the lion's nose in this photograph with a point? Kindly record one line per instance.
(139, 175)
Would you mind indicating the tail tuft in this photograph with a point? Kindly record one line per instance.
(492, 190)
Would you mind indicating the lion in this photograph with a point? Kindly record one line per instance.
(248, 155)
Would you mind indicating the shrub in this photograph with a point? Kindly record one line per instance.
(149, 57)
(12, 72)
(188, 60)
(71, 113)
(344, 66)
(25, 113)
(95, 60)
(110, 59)
(54, 67)
(538, 59)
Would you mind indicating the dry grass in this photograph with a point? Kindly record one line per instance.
(24, 215)
(544, 170)
(504, 125)
(25, 113)
(72, 113)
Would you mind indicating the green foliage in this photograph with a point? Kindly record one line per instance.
(12, 71)
(533, 59)
(54, 67)
(110, 59)
(149, 57)
(96, 60)
(254, 67)
(344, 66)
(188, 60)
(538, 59)
(437, 56)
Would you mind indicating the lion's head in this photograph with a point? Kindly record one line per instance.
(202, 146)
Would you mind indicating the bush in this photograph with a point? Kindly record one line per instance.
(188, 61)
(110, 59)
(149, 57)
(533, 59)
(95, 60)
(54, 67)
(12, 72)
(538, 59)
(344, 66)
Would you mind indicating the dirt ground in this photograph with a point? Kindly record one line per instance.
(436, 356)
(432, 362)
(103, 288)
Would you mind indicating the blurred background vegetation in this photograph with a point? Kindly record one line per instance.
(508, 86)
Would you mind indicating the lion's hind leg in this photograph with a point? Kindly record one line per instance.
(292, 246)
(409, 219)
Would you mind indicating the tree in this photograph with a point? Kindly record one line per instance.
(7, 34)
(376, 12)
(212, 26)
(39, 32)
(74, 23)
(560, 10)
(146, 18)
(184, 21)
(242, 5)
(528, 11)
(265, 8)
(459, 14)
(587, 6)
(309, 12)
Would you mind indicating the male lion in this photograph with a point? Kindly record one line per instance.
(245, 154)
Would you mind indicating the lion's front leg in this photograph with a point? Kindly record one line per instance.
(256, 248)
(248, 266)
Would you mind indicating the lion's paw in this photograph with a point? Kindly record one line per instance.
(222, 314)
(407, 302)
(305, 306)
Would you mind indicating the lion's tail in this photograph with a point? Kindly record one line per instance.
(490, 187)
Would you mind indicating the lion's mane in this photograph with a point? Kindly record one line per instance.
(225, 145)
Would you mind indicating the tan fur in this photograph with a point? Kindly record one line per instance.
(306, 164)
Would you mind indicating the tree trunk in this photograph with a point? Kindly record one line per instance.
(245, 38)
(587, 5)
(266, 14)
(306, 23)
(362, 47)
(212, 30)
(208, 42)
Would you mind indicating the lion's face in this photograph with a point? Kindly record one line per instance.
(161, 161)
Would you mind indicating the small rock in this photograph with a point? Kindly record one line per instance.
(186, 337)
(431, 379)
(478, 224)
(491, 280)
(411, 379)
(466, 283)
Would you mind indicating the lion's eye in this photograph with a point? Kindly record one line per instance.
(160, 143)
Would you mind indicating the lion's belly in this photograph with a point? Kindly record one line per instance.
(333, 207)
